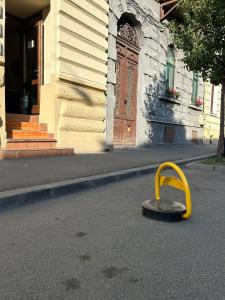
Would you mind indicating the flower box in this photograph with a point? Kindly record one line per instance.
(172, 93)
(198, 102)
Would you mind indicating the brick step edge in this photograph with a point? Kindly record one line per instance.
(28, 153)
(26, 126)
(21, 118)
(17, 134)
(30, 140)
(27, 144)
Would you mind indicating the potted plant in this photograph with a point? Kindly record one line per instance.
(172, 93)
(177, 94)
(198, 102)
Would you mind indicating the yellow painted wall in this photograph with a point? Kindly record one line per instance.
(2, 106)
(49, 53)
(2, 78)
(211, 120)
(49, 87)
(75, 67)
(81, 74)
(81, 115)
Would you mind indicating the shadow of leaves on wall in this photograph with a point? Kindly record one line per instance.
(159, 113)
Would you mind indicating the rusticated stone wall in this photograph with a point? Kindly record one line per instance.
(73, 101)
(81, 118)
(155, 112)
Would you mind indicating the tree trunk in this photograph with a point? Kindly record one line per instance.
(220, 146)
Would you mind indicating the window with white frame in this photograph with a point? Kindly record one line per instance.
(170, 68)
(215, 94)
(194, 95)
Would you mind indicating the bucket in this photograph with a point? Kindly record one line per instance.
(24, 101)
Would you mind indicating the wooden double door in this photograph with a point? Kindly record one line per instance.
(126, 94)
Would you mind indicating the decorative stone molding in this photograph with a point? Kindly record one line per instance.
(144, 14)
(164, 98)
(165, 122)
(81, 125)
(80, 110)
(128, 33)
(195, 107)
(80, 94)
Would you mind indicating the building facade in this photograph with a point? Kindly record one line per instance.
(53, 66)
(151, 97)
(211, 113)
(93, 74)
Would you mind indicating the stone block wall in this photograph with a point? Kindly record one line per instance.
(154, 110)
(79, 82)
(81, 116)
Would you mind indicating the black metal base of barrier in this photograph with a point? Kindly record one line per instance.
(164, 211)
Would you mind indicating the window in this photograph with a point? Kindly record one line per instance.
(214, 99)
(170, 68)
(194, 95)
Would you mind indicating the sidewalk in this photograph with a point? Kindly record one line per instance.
(26, 177)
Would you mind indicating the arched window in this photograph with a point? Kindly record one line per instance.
(170, 68)
(194, 95)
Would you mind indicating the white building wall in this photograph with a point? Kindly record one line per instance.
(154, 41)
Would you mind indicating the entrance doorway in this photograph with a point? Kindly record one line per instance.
(23, 64)
(126, 86)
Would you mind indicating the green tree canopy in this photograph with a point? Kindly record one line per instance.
(201, 35)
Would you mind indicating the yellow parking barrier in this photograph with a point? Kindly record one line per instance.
(178, 183)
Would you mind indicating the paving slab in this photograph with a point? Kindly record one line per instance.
(21, 173)
(32, 180)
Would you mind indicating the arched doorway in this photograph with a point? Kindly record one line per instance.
(124, 133)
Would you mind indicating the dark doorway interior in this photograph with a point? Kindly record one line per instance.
(22, 67)
(13, 63)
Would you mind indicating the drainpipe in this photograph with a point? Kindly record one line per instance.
(203, 112)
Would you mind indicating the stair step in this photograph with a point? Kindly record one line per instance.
(11, 154)
(24, 144)
(27, 138)
(31, 126)
(29, 134)
(21, 118)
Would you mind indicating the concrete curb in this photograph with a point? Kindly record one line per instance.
(23, 196)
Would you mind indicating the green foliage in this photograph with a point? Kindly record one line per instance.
(214, 161)
(201, 36)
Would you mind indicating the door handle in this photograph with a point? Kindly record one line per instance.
(125, 101)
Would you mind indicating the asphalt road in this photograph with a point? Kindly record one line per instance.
(97, 245)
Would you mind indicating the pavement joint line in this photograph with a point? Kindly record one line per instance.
(22, 196)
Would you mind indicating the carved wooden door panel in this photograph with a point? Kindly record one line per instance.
(120, 94)
(130, 99)
(126, 95)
